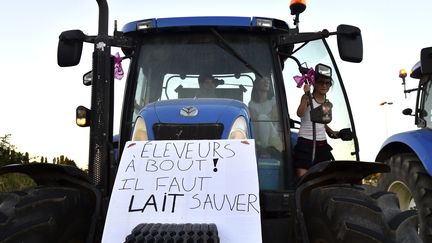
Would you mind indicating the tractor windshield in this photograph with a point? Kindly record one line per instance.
(211, 65)
(169, 67)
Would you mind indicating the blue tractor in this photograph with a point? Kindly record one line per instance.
(409, 153)
(171, 60)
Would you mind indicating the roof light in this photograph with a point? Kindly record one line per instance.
(267, 23)
(297, 6)
(146, 24)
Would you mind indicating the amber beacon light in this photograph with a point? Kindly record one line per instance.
(402, 73)
(297, 6)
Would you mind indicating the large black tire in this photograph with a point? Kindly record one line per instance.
(413, 186)
(45, 215)
(348, 213)
(173, 233)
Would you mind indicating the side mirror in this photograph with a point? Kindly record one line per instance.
(407, 112)
(426, 60)
(346, 134)
(350, 43)
(416, 71)
(70, 48)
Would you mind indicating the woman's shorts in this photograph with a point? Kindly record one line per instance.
(303, 153)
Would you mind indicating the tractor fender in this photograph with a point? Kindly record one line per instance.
(48, 174)
(417, 141)
(54, 175)
(339, 171)
(60, 175)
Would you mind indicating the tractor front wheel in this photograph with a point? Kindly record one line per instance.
(348, 213)
(412, 185)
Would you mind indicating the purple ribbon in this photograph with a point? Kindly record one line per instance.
(308, 77)
(118, 69)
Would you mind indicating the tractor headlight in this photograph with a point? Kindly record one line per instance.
(140, 130)
(239, 129)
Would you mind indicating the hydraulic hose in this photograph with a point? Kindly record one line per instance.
(313, 129)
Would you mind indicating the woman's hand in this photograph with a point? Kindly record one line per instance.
(333, 135)
(306, 88)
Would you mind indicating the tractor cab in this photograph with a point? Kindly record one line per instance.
(250, 68)
(422, 72)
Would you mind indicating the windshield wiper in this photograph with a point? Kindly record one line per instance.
(229, 49)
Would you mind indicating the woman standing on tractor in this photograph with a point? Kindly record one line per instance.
(304, 156)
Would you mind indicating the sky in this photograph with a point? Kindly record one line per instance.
(38, 99)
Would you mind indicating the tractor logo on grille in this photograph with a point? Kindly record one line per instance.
(189, 111)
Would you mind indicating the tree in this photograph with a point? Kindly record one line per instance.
(8, 153)
(26, 158)
(63, 160)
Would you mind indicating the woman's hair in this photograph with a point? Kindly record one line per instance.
(255, 95)
(319, 78)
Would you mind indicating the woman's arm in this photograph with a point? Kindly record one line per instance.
(304, 103)
(331, 133)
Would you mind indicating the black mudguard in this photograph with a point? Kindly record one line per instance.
(332, 172)
(49, 174)
(339, 172)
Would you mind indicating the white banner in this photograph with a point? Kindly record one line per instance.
(200, 181)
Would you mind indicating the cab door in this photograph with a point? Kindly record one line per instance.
(309, 55)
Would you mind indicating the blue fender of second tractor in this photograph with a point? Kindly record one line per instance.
(420, 141)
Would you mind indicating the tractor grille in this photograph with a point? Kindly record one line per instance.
(187, 131)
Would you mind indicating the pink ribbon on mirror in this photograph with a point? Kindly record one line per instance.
(118, 69)
(309, 77)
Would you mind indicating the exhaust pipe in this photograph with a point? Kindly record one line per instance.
(103, 17)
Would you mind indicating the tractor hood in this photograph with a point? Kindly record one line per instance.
(187, 111)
